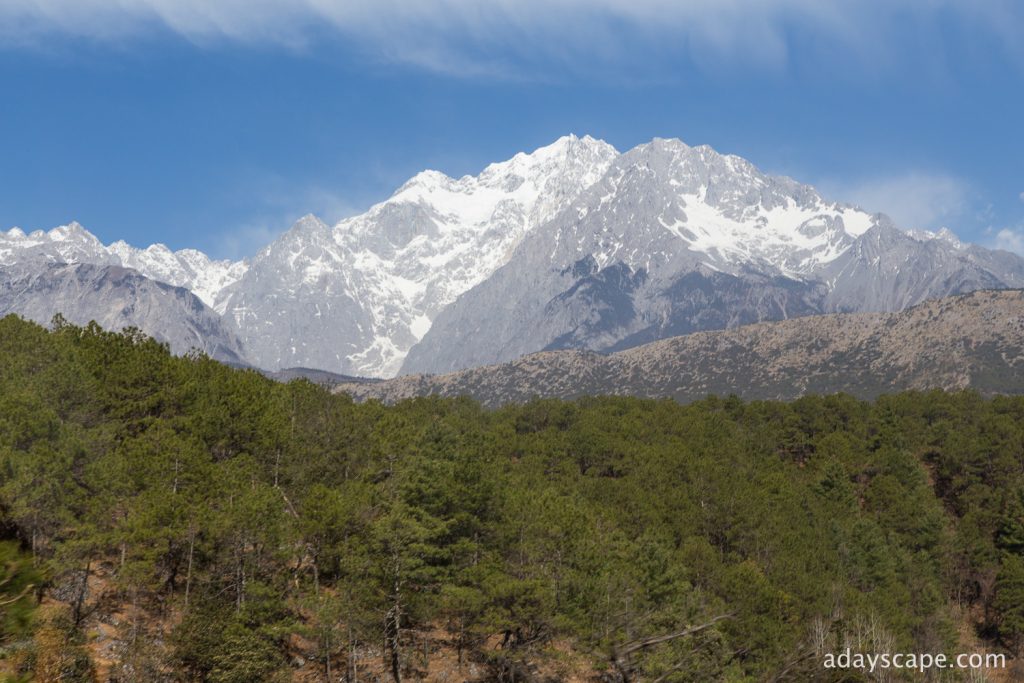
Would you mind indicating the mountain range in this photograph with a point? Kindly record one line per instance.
(573, 246)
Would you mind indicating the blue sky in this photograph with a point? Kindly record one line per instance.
(215, 124)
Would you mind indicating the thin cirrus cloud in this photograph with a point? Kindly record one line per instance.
(913, 199)
(472, 37)
(1009, 239)
(281, 203)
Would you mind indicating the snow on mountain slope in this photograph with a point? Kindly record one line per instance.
(463, 230)
(187, 268)
(74, 244)
(675, 239)
(665, 198)
(572, 245)
(372, 284)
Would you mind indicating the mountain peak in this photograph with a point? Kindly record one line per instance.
(568, 151)
(571, 142)
(306, 231)
(666, 143)
(428, 179)
(948, 235)
(309, 222)
(71, 231)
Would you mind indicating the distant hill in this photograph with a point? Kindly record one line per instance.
(321, 377)
(975, 340)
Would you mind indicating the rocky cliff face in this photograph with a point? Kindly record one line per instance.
(975, 340)
(117, 297)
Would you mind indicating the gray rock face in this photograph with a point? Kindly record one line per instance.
(117, 297)
(887, 269)
(293, 308)
(676, 239)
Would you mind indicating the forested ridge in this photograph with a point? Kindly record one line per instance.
(174, 519)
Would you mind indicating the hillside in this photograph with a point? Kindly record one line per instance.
(168, 519)
(970, 341)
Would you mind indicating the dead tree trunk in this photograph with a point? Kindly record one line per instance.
(392, 630)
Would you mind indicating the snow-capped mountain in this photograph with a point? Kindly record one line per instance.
(72, 243)
(675, 239)
(664, 197)
(354, 298)
(573, 245)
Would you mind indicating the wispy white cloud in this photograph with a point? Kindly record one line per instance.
(269, 205)
(473, 37)
(914, 199)
(245, 239)
(1010, 239)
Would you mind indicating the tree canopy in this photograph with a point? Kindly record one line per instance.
(240, 529)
